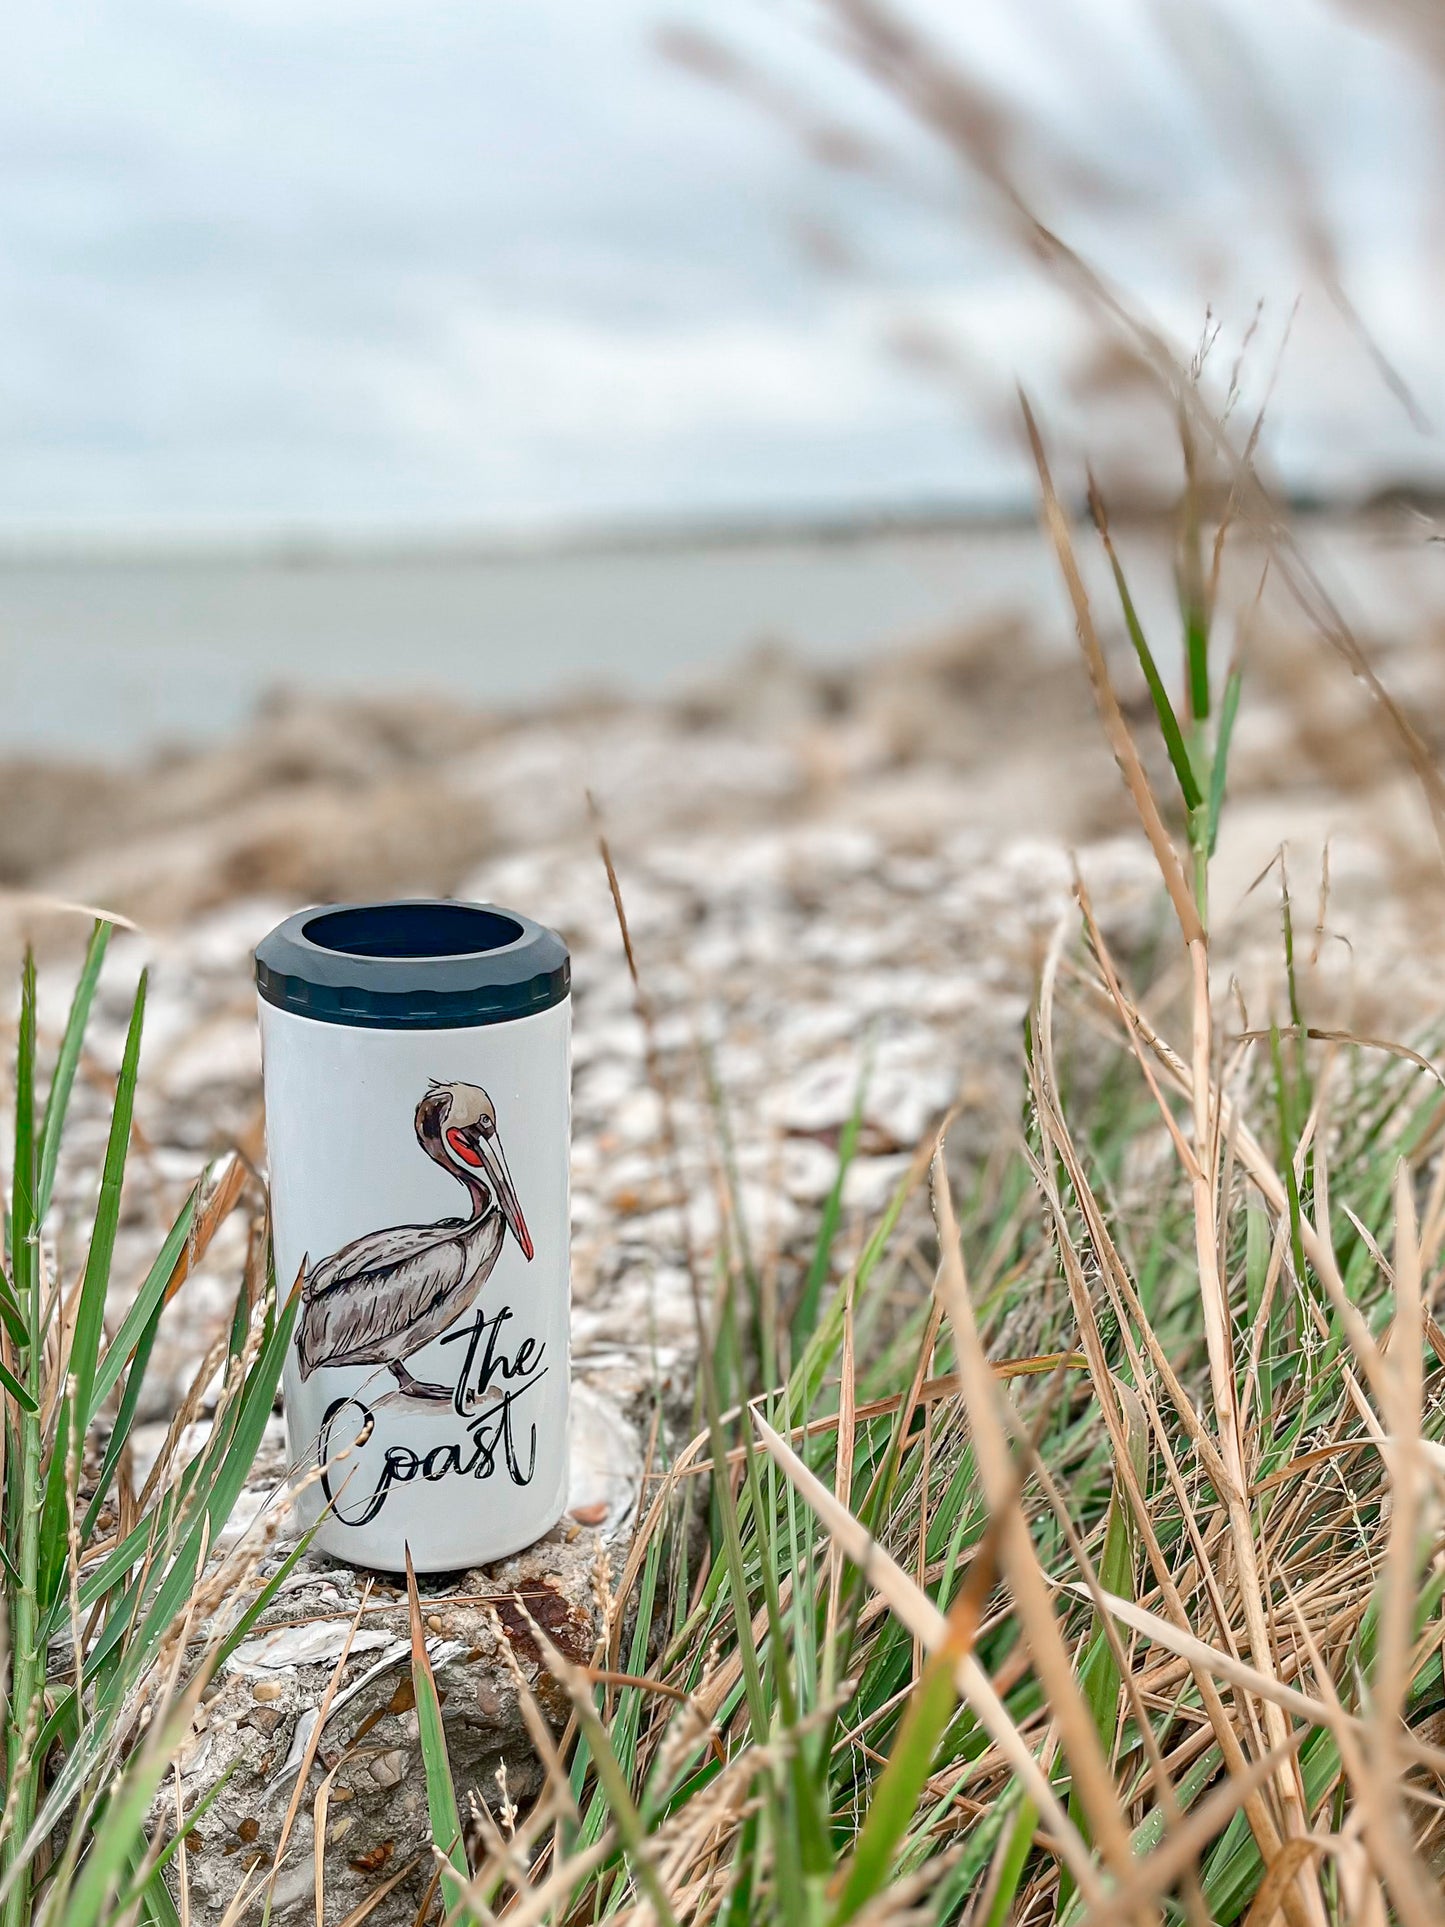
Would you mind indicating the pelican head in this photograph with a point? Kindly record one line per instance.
(456, 1125)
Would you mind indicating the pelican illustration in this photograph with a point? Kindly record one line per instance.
(385, 1295)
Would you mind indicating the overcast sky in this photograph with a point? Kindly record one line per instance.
(272, 263)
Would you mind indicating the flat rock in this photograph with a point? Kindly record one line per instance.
(262, 1724)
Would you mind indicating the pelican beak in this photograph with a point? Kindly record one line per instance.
(501, 1177)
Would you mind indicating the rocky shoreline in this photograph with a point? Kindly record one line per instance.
(820, 873)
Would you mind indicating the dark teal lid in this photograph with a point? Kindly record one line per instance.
(418, 964)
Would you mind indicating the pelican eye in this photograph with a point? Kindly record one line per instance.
(486, 1126)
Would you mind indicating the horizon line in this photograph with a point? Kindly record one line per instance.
(301, 541)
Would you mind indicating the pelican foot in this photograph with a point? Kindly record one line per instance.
(414, 1387)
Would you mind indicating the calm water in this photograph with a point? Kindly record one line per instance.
(107, 656)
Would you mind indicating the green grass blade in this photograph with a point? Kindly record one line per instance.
(1219, 767)
(805, 1317)
(76, 1407)
(22, 1483)
(623, 1808)
(18, 1391)
(24, 1220)
(219, 1474)
(1163, 709)
(157, 1908)
(627, 1719)
(1256, 1267)
(57, 1103)
(1193, 598)
(1013, 1858)
(896, 1794)
(809, 1828)
(441, 1793)
(1099, 1676)
(1196, 649)
(148, 1886)
(738, 1909)
(124, 1420)
(243, 1626)
(113, 1359)
(121, 1831)
(732, 1568)
(10, 1314)
(1286, 1160)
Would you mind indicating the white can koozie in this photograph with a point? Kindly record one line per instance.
(416, 1063)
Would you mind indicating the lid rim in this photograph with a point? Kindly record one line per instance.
(451, 991)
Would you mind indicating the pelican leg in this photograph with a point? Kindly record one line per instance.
(414, 1388)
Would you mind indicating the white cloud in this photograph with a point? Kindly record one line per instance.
(278, 262)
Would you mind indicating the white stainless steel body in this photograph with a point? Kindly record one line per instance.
(456, 1449)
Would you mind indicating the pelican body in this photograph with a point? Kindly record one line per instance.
(388, 1293)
